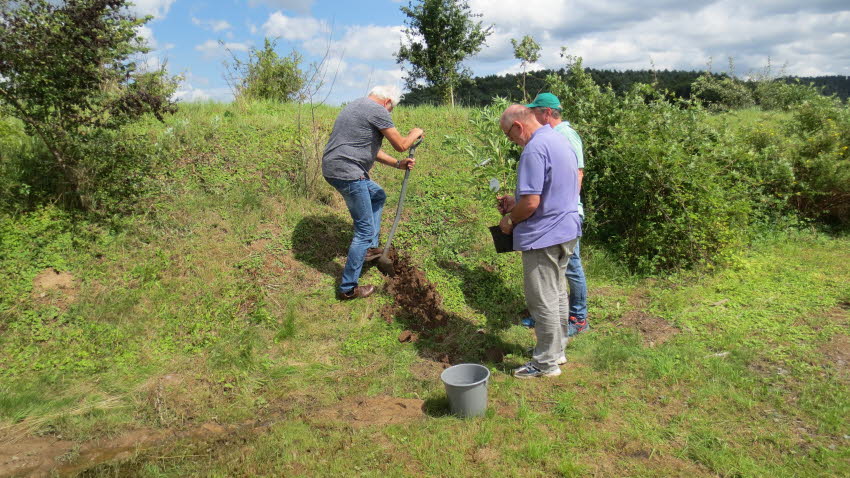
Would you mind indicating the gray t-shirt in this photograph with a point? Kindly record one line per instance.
(355, 140)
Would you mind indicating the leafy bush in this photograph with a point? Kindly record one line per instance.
(66, 72)
(777, 94)
(658, 197)
(722, 94)
(492, 155)
(821, 156)
(653, 190)
(266, 75)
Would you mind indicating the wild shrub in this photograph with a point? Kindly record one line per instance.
(66, 72)
(265, 75)
(653, 191)
(820, 130)
(659, 198)
(722, 94)
(492, 156)
(777, 94)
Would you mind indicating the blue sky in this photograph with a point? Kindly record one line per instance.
(801, 38)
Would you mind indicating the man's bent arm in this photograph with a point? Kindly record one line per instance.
(525, 207)
(399, 142)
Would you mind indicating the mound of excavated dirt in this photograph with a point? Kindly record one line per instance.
(381, 410)
(415, 296)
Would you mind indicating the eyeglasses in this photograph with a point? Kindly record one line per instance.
(508, 133)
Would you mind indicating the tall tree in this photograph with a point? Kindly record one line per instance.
(66, 71)
(440, 35)
(528, 51)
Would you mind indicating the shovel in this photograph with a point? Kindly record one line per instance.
(385, 264)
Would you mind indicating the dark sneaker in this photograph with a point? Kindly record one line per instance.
(530, 371)
(373, 253)
(527, 322)
(359, 292)
(575, 326)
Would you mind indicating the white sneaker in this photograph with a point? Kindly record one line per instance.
(562, 360)
(530, 371)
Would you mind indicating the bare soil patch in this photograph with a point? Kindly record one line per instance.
(428, 370)
(54, 287)
(47, 456)
(837, 352)
(654, 330)
(381, 410)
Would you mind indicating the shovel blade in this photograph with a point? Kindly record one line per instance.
(386, 266)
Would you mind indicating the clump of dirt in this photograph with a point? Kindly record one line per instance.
(381, 410)
(408, 336)
(415, 295)
(52, 286)
(654, 330)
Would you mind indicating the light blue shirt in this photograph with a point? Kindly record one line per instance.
(567, 130)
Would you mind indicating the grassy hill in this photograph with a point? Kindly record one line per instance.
(202, 337)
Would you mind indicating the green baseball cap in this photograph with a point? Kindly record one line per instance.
(545, 100)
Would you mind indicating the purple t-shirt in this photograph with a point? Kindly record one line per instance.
(548, 167)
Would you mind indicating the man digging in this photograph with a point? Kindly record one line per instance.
(545, 225)
(352, 149)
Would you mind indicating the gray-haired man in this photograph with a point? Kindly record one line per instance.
(352, 149)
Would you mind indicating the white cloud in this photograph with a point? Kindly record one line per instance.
(189, 93)
(214, 25)
(157, 8)
(675, 34)
(363, 42)
(300, 6)
(146, 34)
(293, 28)
(212, 49)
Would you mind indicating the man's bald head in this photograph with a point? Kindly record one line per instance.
(524, 117)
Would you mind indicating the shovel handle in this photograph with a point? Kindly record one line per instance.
(400, 201)
(397, 213)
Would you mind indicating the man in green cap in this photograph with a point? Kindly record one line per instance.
(547, 110)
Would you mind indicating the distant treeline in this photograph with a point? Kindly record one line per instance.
(479, 91)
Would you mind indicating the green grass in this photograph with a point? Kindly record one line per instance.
(218, 307)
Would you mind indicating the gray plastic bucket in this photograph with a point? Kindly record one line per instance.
(466, 386)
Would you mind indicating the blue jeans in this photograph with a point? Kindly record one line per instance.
(365, 201)
(578, 286)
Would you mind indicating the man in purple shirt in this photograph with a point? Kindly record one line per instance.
(545, 225)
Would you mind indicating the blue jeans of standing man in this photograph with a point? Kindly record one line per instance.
(578, 286)
(365, 201)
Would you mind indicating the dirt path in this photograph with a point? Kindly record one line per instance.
(48, 456)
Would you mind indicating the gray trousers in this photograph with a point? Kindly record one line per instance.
(545, 284)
